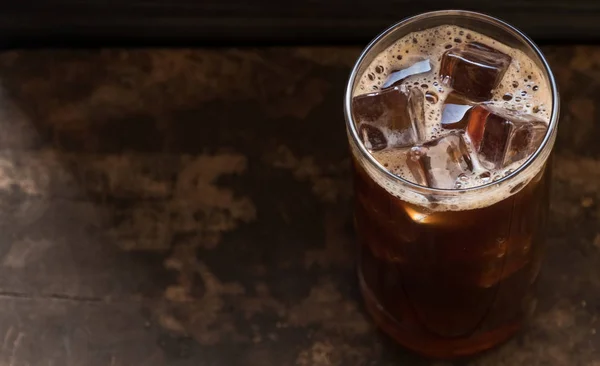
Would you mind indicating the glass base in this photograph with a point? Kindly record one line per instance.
(432, 346)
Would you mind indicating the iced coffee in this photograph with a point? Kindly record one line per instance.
(451, 130)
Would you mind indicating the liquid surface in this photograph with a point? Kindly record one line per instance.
(522, 91)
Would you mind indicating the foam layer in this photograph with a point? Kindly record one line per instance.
(523, 88)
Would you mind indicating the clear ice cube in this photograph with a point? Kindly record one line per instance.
(473, 70)
(398, 114)
(456, 112)
(439, 163)
(416, 110)
(373, 138)
(525, 140)
(396, 77)
(501, 137)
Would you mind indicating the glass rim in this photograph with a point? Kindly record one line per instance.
(519, 35)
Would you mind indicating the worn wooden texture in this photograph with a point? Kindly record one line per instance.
(89, 22)
(192, 207)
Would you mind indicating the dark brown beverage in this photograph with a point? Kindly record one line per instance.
(451, 180)
(453, 283)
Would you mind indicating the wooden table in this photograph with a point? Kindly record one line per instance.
(192, 207)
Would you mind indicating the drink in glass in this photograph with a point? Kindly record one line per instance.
(451, 118)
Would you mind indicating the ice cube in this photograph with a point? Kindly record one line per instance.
(414, 162)
(397, 112)
(476, 125)
(416, 111)
(501, 137)
(456, 112)
(396, 77)
(473, 70)
(378, 107)
(440, 162)
(525, 140)
(373, 138)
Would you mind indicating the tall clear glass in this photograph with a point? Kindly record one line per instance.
(440, 279)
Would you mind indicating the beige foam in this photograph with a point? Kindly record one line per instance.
(523, 80)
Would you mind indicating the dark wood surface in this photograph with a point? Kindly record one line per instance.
(90, 22)
(192, 207)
